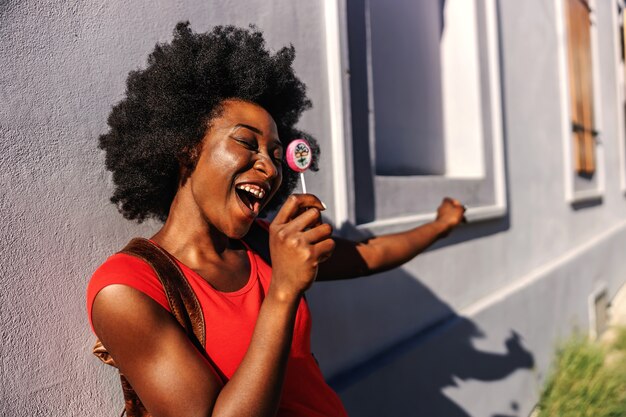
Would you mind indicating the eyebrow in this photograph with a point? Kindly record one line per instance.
(258, 132)
(252, 128)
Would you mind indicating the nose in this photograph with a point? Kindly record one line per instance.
(266, 165)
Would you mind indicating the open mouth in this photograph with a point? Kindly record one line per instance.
(252, 196)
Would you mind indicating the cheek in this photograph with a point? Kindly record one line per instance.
(219, 166)
(209, 177)
(220, 160)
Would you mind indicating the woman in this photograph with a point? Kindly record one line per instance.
(198, 143)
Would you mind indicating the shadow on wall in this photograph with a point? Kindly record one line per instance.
(390, 346)
(408, 377)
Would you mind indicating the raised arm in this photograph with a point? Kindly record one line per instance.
(380, 253)
(171, 377)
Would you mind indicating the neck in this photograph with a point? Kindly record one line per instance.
(188, 236)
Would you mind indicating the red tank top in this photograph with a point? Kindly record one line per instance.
(230, 319)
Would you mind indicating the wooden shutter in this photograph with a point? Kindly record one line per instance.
(581, 84)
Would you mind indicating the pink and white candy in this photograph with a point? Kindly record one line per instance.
(299, 158)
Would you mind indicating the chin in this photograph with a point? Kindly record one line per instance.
(239, 231)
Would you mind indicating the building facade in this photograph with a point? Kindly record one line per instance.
(515, 108)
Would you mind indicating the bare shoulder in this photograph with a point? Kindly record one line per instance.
(153, 352)
(119, 309)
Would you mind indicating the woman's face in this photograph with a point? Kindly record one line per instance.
(239, 168)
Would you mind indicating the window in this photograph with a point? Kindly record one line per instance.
(418, 89)
(580, 67)
(581, 110)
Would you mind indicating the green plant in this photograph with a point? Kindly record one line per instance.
(583, 383)
(620, 340)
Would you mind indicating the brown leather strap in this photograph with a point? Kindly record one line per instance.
(182, 301)
(133, 407)
(180, 297)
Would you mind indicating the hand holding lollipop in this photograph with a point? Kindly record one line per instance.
(299, 158)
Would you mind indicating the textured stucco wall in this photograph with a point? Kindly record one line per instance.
(63, 64)
(433, 338)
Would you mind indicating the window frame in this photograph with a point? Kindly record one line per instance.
(620, 70)
(491, 201)
(578, 189)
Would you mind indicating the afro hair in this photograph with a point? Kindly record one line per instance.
(169, 105)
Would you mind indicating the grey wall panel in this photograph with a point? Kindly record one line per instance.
(362, 321)
(491, 360)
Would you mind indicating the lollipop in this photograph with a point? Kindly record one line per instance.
(299, 158)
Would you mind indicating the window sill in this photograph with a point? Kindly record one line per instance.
(473, 215)
(585, 196)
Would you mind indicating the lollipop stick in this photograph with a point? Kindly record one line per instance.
(303, 183)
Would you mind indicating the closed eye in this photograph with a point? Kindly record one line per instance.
(253, 146)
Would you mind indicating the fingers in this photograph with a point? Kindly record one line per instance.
(308, 227)
(464, 208)
(324, 249)
(310, 218)
(454, 202)
(318, 233)
(300, 219)
(451, 206)
(296, 203)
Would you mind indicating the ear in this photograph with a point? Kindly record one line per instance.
(187, 160)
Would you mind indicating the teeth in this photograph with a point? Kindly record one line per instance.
(257, 192)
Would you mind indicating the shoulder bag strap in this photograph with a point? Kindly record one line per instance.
(180, 297)
(182, 301)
